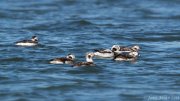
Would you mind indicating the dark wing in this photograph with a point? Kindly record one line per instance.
(119, 56)
(89, 63)
(23, 41)
(78, 64)
(83, 64)
(63, 59)
(123, 55)
(125, 49)
(103, 51)
(27, 41)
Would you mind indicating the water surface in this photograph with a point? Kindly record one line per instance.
(79, 26)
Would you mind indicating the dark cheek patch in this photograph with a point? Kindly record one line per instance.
(70, 57)
(114, 49)
(89, 56)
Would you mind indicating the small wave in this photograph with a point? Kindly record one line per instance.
(43, 26)
(84, 70)
(13, 59)
(55, 87)
(144, 11)
(69, 2)
(3, 15)
(81, 22)
(158, 39)
(176, 17)
(3, 78)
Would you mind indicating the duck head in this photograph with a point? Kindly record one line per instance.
(34, 38)
(135, 48)
(115, 48)
(70, 56)
(89, 57)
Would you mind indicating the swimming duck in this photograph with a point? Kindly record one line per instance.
(69, 59)
(89, 61)
(104, 53)
(32, 42)
(126, 56)
(120, 49)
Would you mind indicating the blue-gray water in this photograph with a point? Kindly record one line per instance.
(79, 26)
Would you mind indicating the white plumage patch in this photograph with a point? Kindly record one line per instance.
(56, 62)
(122, 59)
(26, 44)
(119, 59)
(104, 55)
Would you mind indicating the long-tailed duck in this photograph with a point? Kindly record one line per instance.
(126, 56)
(32, 42)
(120, 49)
(104, 53)
(69, 59)
(89, 61)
